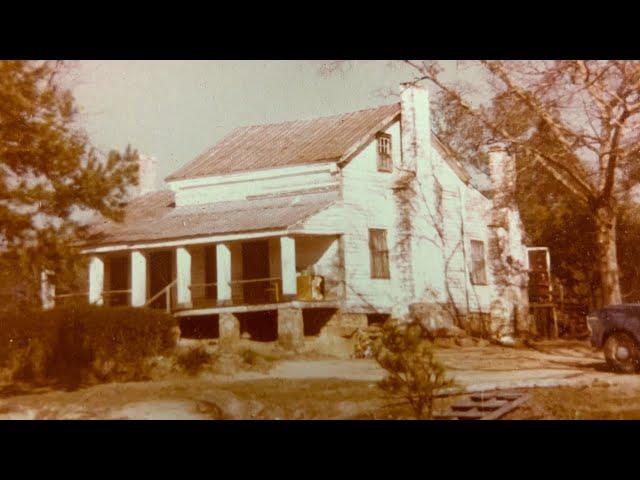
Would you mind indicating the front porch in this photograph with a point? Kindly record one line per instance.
(302, 271)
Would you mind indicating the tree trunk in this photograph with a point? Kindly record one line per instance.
(607, 257)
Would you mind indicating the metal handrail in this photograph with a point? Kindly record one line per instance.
(167, 292)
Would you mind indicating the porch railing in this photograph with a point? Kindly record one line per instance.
(243, 292)
(83, 297)
(255, 291)
(166, 291)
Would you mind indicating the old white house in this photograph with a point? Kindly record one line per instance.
(305, 227)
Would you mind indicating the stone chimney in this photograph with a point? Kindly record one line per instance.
(502, 171)
(416, 128)
(507, 254)
(146, 174)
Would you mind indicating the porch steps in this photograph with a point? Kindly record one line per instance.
(484, 406)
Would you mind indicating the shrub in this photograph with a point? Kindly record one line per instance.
(413, 373)
(193, 360)
(78, 344)
(253, 358)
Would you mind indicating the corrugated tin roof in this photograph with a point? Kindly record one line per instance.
(153, 217)
(286, 144)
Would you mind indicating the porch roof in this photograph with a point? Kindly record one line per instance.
(154, 217)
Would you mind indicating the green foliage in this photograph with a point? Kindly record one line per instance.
(553, 218)
(51, 178)
(78, 344)
(413, 373)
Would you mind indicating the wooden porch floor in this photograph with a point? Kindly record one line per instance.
(195, 311)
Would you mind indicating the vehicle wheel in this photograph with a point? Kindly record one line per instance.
(621, 352)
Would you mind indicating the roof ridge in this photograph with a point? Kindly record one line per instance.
(293, 142)
(312, 119)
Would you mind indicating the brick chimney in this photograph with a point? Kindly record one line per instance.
(146, 174)
(416, 128)
(502, 171)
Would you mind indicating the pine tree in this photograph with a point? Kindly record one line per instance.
(51, 177)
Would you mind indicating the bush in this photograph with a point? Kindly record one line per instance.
(193, 360)
(256, 359)
(79, 344)
(413, 373)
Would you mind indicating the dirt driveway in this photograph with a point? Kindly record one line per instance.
(478, 368)
(316, 388)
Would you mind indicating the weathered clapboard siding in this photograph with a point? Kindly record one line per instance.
(465, 217)
(454, 249)
(320, 255)
(240, 186)
(439, 260)
(368, 202)
(477, 218)
(328, 221)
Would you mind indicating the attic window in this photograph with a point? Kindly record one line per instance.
(385, 164)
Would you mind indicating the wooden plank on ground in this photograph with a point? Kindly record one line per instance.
(484, 406)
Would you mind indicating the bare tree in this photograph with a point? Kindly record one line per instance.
(580, 120)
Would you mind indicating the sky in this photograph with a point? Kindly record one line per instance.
(174, 110)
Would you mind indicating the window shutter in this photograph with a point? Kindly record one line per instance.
(478, 267)
(379, 253)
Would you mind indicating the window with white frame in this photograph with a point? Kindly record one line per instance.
(379, 253)
(385, 162)
(478, 265)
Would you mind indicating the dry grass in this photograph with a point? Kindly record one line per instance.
(596, 402)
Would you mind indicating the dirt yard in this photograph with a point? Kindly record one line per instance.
(567, 380)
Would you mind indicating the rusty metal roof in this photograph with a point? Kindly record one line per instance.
(154, 217)
(287, 144)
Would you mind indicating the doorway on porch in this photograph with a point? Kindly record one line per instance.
(119, 268)
(160, 275)
(255, 265)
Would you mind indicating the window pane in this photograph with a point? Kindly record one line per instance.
(384, 152)
(379, 253)
(478, 268)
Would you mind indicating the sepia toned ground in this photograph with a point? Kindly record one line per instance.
(566, 380)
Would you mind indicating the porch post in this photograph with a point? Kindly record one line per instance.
(96, 280)
(47, 291)
(223, 266)
(288, 259)
(183, 278)
(138, 278)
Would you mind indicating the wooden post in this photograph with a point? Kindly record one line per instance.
(183, 277)
(138, 278)
(223, 266)
(555, 322)
(288, 268)
(47, 291)
(96, 280)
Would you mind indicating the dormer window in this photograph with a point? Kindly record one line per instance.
(385, 163)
